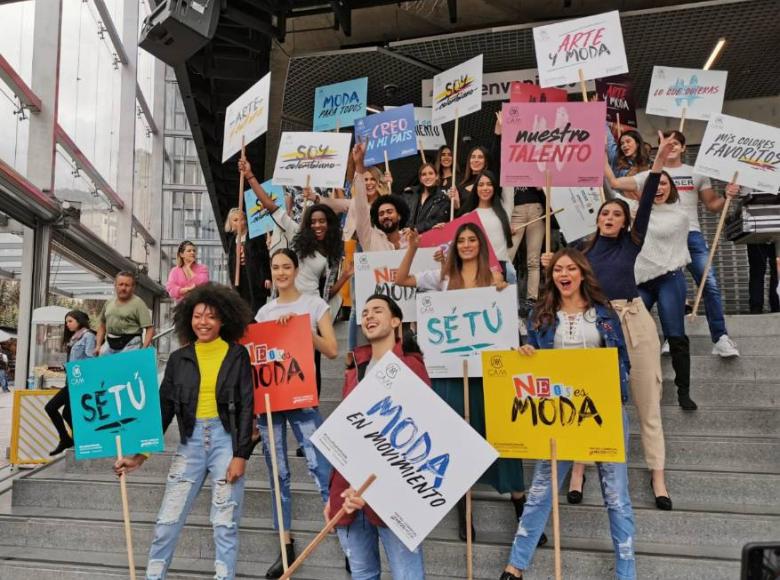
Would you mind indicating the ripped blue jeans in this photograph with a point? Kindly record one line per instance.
(614, 490)
(304, 423)
(208, 452)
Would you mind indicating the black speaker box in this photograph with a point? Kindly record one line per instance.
(177, 29)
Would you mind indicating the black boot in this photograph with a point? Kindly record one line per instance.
(519, 505)
(679, 349)
(63, 445)
(277, 568)
(462, 520)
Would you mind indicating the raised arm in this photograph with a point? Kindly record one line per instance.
(360, 207)
(612, 148)
(246, 168)
(627, 185)
(402, 277)
(338, 205)
(642, 218)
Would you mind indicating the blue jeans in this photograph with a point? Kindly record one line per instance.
(360, 541)
(669, 292)
(614, 490)
(304, 423)
(3, 380)
(134, 344)
(713, 305)
(208, 451)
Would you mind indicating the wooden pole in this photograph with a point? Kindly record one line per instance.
(682, 119)
(541, 217)
(556, 518)
(713, 249)
(239, 248)
(602, 197)
(583, 86)
(387, 163)
(619, 129)
(469, 539)
(126, 513)
(275, 470)
(324, 532)
(454, 165)
(422, 151)
(547, 214)
(307, 202)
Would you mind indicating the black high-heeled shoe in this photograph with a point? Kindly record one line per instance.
(519, 505)
(277, 568)
(509, 576)
(662, 502)
(462, 521)
(574, 496)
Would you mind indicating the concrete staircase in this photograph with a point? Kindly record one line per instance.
(64, 521)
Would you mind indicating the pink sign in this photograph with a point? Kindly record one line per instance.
(529, 93)
(565, 139)
(443, 237)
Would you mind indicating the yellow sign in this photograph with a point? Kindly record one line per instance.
(572, 396)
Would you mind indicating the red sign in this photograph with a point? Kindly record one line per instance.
(282, 363)
(442, 237)
(529, 93)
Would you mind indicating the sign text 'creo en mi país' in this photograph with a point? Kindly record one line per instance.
(320, 158)
(391, 132)
(339, 104)
(246, 118)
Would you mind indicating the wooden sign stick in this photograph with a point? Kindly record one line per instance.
(469, 539)
(547, 214)
(338, 124)
(713, 249)
(387, 163)
(275, 470)
(324, 532)
(556, 518)
(454, 165)
(126, 512)
(236, 275)
(422, 151)
(620, 131)
(682, 119)
(307, 202)
(583, 86)
(533, 221)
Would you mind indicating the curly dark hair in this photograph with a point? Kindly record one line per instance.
(226, 303)
(305, 243)
(395, 200)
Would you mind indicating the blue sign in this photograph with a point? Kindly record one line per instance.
(258, 219)
(115, 395)
(340, 104)
(392, 131)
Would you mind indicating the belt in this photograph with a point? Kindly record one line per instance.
(623, 308)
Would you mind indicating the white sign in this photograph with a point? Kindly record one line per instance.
(581, 206)
(457, 92)
(593, 45)
(246, 117)
(733, 145)
(375, 273)
(498, 86)
(318, 157)
(460, 324)
(424, 455)
(699, 92)
(429, 136)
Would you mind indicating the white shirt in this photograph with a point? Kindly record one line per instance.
(431, 281)
(689, 184)
(314, 306)
(495, 232)
(577, 330)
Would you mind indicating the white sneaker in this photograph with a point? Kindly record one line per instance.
(665, 348)
(725, 347)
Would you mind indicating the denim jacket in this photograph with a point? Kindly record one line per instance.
(83, 348)
(611, 333)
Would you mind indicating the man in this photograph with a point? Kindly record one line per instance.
(360, 530)
(4, 371)
(692, 188)
(124, 319)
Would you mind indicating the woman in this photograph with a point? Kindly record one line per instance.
(477, 163)
(291, 301)
(428, 204)
(629, 155)
(444, 164)
(466, 266)
(188, 273)
(572, 312)
(79, 342)
(254, 273)
(203, 382)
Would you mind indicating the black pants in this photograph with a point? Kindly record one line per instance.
(52, 408)
(758, 257)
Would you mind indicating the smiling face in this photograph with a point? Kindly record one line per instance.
(611, 220)
(370, 182)
(675, 151)
(628, 146)
(467, 245)
(71, 324)
(428, 176)
(206, 323)
(378, 321)
(477, 161)
(283, 272)
(663, 191)
(389, 218)
(445, 157)
(485, 191)
(319, 225)
(567, 277)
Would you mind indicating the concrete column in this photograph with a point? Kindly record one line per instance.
(156, 178)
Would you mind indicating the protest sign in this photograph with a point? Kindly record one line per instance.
(115, 395)
(732, 145)
(530, 93)
(340, 104)
(316, 159)
(457, 91)
(565, 140)
(592, 45)
(442, 238)
(429, 136)
(581, 205)
(616, 93)
(689, 92)
(570, 395)
(258, 219)
(282, 358)
(391, 132)
(375, 272)
(246, 118)
(460, 324)
(424, 455)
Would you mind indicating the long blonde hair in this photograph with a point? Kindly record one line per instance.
(228, 225)
(381, 185)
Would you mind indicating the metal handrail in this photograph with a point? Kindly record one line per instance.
(163, 333)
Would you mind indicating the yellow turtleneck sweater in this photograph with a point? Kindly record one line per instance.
(210, 356)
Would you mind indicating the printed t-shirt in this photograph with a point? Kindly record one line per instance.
(689, 184)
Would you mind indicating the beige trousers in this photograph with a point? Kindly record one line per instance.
(522, 214)
(644, 351)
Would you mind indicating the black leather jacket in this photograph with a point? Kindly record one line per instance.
(435, 210)
(181, 385)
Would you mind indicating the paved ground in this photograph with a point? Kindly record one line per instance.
(6, 406)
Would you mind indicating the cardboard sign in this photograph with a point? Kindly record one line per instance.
(699, 92)
(566, 139)
(571, 395)
(459, 324)
(114, 395)
(443, 238)
(731, 144)
(392, 131)
(593, 45)
(457, 91)
(375, 273)
(321, 157)
(429, 136)
(529, 93)
(424, 455)
(616, 93)
(581, 206)
(258, 219)
(282, 363)
(246, 117)
(340, 104)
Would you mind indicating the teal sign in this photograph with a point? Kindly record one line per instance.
(114, 395)
(258, 219)
(338, 105)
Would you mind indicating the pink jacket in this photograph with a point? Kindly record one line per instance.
(178, 280)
